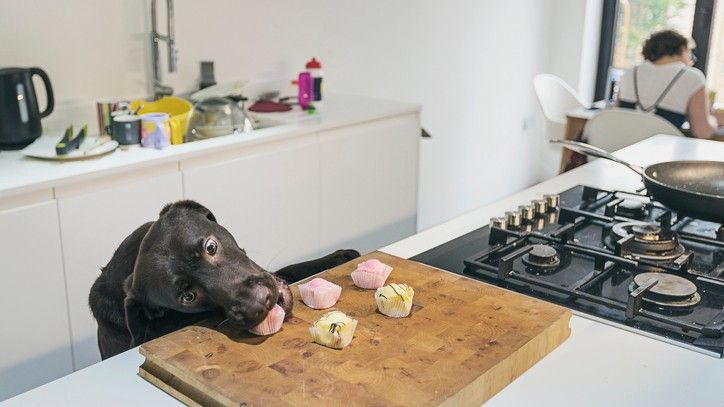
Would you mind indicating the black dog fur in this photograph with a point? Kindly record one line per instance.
(184, 268)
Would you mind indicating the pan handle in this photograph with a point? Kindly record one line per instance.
(593, 151)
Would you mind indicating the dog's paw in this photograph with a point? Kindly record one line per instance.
(343, 256)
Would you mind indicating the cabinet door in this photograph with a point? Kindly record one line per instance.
(369, 183)
(266, 196)
(94, 221)
(34, 337)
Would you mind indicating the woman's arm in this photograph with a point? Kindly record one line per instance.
(703, 124)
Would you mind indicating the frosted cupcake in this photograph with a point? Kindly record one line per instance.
(271, 324)
(371, 274)
(319, 293)
(394, 300)
(334, 330)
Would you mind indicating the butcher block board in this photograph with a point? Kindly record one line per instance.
(463, 343)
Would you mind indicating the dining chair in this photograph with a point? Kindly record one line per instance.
(613, 129)
(556, 98)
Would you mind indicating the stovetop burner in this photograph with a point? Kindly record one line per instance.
(642, 240)
(618, 257)
(631, 208)
(542, 258)
(667, 290)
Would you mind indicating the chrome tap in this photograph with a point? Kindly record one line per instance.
(159, 89)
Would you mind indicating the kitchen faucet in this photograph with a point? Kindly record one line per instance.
(159, 89)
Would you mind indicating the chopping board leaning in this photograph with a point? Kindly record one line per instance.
(464, 342)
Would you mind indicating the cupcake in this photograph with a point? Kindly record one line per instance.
(334, 330)
(395, 300)
(320, 293)
(271, 324)
(371, 274)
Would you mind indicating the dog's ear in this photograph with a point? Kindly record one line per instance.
(136, 321)
(189, 204)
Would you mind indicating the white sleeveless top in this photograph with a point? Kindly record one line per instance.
(653, 80)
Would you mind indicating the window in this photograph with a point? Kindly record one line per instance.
(627, 23)
(637, 19)
(715, 66)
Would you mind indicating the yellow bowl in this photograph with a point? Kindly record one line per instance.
(178, 109)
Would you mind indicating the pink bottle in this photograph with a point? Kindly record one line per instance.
(306, 90)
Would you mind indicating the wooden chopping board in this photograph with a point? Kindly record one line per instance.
(464, 342)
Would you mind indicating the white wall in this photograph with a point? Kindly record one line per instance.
(468, 62)
(575, 28)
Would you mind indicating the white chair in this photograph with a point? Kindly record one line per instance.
(556, 97)
(613, 129)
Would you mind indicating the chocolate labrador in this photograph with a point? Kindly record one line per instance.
(183, 268)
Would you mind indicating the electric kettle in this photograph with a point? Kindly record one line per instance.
(19, 113)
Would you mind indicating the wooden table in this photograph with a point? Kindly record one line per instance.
(575, 121)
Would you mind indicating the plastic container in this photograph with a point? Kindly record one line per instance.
(306, 91)
(315, 69)
(179, 111)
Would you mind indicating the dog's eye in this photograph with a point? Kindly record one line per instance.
(188, 297)
(210, 246)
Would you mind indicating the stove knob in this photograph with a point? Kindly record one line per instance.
(526, 212)
(499, 222)
(513, 218)
(539, 206)
(552, 200)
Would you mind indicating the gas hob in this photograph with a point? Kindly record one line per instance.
(614, 256)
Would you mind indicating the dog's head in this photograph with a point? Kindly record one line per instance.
(189, 263)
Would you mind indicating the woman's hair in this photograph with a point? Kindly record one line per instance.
(664, 43)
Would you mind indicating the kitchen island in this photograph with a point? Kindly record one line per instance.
(598, 365)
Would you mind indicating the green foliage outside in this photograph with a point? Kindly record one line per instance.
(637, 19)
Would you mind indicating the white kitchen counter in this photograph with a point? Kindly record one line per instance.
(598, 365)
(21, 174)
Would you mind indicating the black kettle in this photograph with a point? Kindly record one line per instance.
(19, 113)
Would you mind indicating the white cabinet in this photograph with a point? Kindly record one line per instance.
(34, 335)
(95, 217)
(369, 183)
(266, 196)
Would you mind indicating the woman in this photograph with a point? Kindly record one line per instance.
(666, 84)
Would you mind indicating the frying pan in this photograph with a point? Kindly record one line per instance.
(693, 188)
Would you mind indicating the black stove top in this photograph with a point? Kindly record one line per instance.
(615, 256)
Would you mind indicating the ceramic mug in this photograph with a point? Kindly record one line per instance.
(126, 129)
(155, 130)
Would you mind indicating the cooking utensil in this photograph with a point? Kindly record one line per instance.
(694, 188)
(19, 112)
(99, 144)
(106, 109)
(463, 342)
(69, 143)
(214, 117)
(221, 90)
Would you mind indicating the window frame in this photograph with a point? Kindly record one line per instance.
(701, 33)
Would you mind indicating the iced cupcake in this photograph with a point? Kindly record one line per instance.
(334, 330)
(371, 274)
(272, 323)
(395, 300)
(319, 293)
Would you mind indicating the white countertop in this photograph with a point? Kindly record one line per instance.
(598, 365)
(21, 174)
